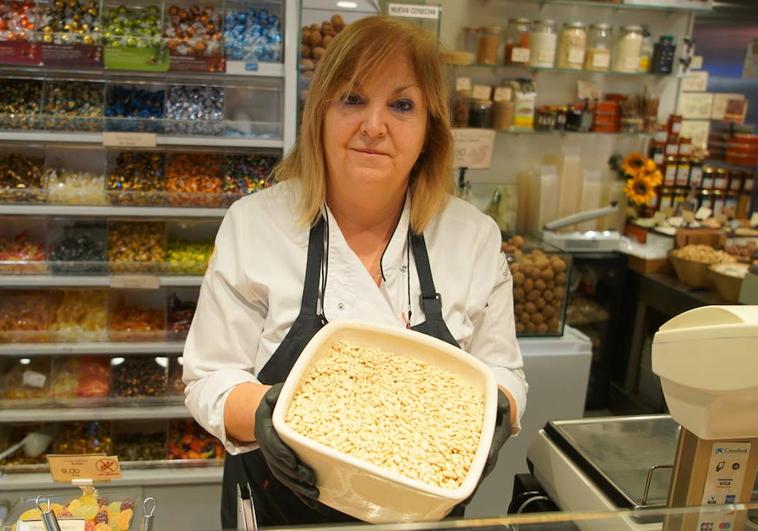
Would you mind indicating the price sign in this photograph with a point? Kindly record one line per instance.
(95, 467)
(135, 281)
(66, 524)
(473, 148)
(146, 140)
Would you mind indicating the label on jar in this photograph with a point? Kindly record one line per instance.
(519, 55)
(576, 55)
(601, 59)
(682, 174)
(748, 185)
(97, 467)
(658, 158)
(462, 83)
(707, 182)
(482, 92)
(696, 176)
(735, 184)
(672, 149)
(65, 524)
(135, 281)
(129, 139)
(33, 379)
(503, 94)
(631, 64)
(719, 183)
(670, 177)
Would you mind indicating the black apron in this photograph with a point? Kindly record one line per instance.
(275, 504)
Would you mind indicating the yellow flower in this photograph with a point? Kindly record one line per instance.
(640, 190)
(650, 165)
(655, 177)
(633, 163)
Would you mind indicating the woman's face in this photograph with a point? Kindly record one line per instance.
(374, 134)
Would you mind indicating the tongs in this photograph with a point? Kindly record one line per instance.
(246, 520)
(48, 516)
(149, 505)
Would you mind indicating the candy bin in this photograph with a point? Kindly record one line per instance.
(175, 383)
(254, 110)
(24, 382)
(195, 110)
(21, 103)
(22, 246)
(139, 441)
(138, 315)
(81, 315)
(80, 377)
(540, 282)
(181, 311)
(78, 246)
(246, 173)
(71, 105)
(71, 36)
(111, 512)
(194, 35)
(30, 459)
(19, 20)
(25, 316)
(22, 175)
(135, 108)
(136, 246)
(194, 179)
(84, 438)
(136, 177)
(76, 175)
(189, 248)
(253, 34)
(139, 377)
(187, 440)
(133, 36)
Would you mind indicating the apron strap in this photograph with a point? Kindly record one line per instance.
(313, 268)
(431, 301)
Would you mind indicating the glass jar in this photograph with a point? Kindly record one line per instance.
(626, 53)
(572, 46)
(480, 114)
(542, 43)
(470, 39)
(502, 115)
(646, 51)
(460, 108)
(598, 55)
(517, 42)
(489, 42)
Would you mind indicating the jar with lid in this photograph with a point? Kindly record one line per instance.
(542, 44)
(736, 180)
(598, 54)
(669, 176)
(460, 108)
(721, 180)
(696, 173)
(480, 114)
(489, 42)
(470, 39)
(517, 42)
(708, 178)
(683, 171)
(572, 46)
(502, 115)
(626, 53)
(663, 55)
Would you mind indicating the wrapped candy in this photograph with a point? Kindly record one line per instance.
(187, 440)
(136, 246)
(82, 315)
(253, 35)
(22, 255)
(24, 316)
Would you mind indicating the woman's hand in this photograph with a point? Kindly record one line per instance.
(284, 464)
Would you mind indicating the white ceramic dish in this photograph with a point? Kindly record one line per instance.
(364, 490)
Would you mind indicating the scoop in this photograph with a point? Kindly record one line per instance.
(34, 444)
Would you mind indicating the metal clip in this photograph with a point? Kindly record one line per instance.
(646, 489)
(48, 516)
(148, 505)
(246, 520)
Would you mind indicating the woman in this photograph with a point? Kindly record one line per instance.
(361, 227)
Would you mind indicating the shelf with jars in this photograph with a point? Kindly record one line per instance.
(675, 6)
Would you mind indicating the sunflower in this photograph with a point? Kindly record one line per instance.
(655, 177)
(650, 165)
(632, 164)
(640, 190)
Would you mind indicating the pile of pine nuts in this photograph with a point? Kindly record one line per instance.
(394, 411)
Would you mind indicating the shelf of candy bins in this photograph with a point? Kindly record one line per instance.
(133, 412)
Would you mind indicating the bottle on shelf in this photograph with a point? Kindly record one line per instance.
(664, 52)
(646, 51)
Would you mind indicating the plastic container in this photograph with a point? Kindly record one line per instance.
(517, 42)
(376, 494)
(25, 316)
(139, 377)
(22, 246)
(24, 382)
(80, 315)
(728, 280)
(22, 174)
(598, 56)
(626, 52)
(542, 44)
(572, 46)
(664, 52)
(138, 315)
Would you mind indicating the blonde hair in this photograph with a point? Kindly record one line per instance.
(359, 51)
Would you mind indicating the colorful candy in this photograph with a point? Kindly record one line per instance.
(18, 20)
(195, 31)
(22, 255)
(73, 105)
(134, 108)
(81, 377)
(82, 315)
(253, 35)
(141, 447)
(132, 27)
(132, 323)
(21, 178)
(193, 110)
(71, 22)
(140, 376)
(187, 440)
(137, 178)
(27, 379)
(194, 179)
(175, 383)
(20, 104)
(24, 316)
(80, 249)
(84, 438)
(245, 174)
(136, 246)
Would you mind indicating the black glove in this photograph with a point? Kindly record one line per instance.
(502, 432)
(284, 464)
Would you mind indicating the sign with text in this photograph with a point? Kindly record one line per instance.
(147, 140)
(97, 467)
(66, 524)
(135, 281)
(473, 148)
(414, 11)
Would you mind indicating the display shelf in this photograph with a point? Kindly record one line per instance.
(161, 140)
(135, 412)
(574, 71)
(103, 348)
(685, 6)
(92, 281)
(564, 132)
(111, 211)
(178, 475)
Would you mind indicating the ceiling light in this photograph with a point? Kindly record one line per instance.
(347, 5)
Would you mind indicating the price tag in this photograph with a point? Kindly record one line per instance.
(135, 281)
(601, 60)
(519, 55)
(576, 56)
(697, 62)
(695, 82)
(482, 92)
(66, 524)
(145, 140)
(462, 83)
(631, 64)
(503, 94)
(33, 379)
(96, 467)
(473, 148)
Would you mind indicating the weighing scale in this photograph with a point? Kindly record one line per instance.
(583, 241)
(705, 453)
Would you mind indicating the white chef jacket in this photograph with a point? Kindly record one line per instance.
(252, 290)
